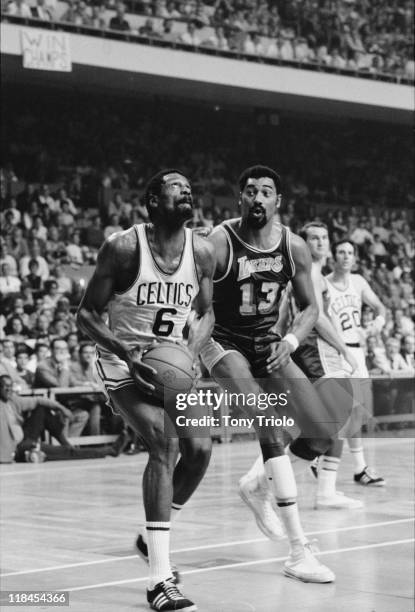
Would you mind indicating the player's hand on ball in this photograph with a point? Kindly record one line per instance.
(138, 369)
(280, 355)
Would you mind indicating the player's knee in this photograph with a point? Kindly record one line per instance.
(197, 453)
(273, 449)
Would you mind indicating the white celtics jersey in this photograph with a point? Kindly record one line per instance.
(345, 309)
(157, 304)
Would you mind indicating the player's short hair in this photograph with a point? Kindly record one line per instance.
(259, 172)
(153, 187)
(340, 242)
(303, 231)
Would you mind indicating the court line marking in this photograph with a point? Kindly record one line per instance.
(241, 564)
(109, 463)
(204, 547)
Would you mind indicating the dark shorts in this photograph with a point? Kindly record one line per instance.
(318, 359)
(256, 349)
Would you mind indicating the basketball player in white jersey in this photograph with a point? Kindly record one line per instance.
(347, 293)
(153, 279)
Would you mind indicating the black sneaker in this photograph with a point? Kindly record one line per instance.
(166, 597)
(142, 551)
(369, 478)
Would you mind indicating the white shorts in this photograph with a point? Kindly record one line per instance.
(112, 372)
(359, 354)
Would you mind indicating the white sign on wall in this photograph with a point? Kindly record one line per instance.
(45, 50)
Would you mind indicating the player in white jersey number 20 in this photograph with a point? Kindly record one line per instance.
(348, 292)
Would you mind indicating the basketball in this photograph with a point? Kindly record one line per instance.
(174, 365)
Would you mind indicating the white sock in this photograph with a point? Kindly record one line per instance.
(282, 482)
(174, 513)
(327, 475)
(299, 465)
(358, 459)
(158, 542)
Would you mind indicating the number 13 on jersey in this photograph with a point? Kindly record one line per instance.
(257, 300)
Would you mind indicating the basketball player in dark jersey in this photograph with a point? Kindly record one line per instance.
(158, 255)
(256, 258)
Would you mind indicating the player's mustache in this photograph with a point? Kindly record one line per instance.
(186, 200)
(258, 207)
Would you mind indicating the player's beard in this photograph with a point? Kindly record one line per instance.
(179, 215)
(256, 222)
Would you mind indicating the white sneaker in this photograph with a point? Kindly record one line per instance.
(259, 501)
(337, 501)
(304, 566)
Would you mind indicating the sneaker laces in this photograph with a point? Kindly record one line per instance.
(171, 590)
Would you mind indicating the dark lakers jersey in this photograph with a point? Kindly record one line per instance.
(247, 297)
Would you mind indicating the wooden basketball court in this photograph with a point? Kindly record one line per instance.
(70, 526)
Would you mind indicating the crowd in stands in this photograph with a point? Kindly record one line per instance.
(58, 205)
(365, 36)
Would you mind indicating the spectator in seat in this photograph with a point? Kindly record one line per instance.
(83, 375)
(51, 297)
(337, 60)
(65, 218)
(13, 209)
(33, 280)
(41, 11)
(45, 201)
(55, 372)
(9, 284)
(34, 253)
(113, 226)
(147, 30)
(19, 8)
(65, 283)
(15, 330)
(74, 251)
(20, 436)
(407, 350)
(392, 361)
(5, 257)
(171, 12)
(190, 37)
(40, 353)
(40, 329)
(98, 17)
(22, 362)
(8, 364)
(217, 40)
(168, 35)
(38, 229)
(118, 22)
(403, 323)
(94, 234)
(18, 245)
(118, 206)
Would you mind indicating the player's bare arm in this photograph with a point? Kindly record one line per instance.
(220, 245)
(201, 319)
(305, 298)
(370, 298)
(115, 270)
(324, 325)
